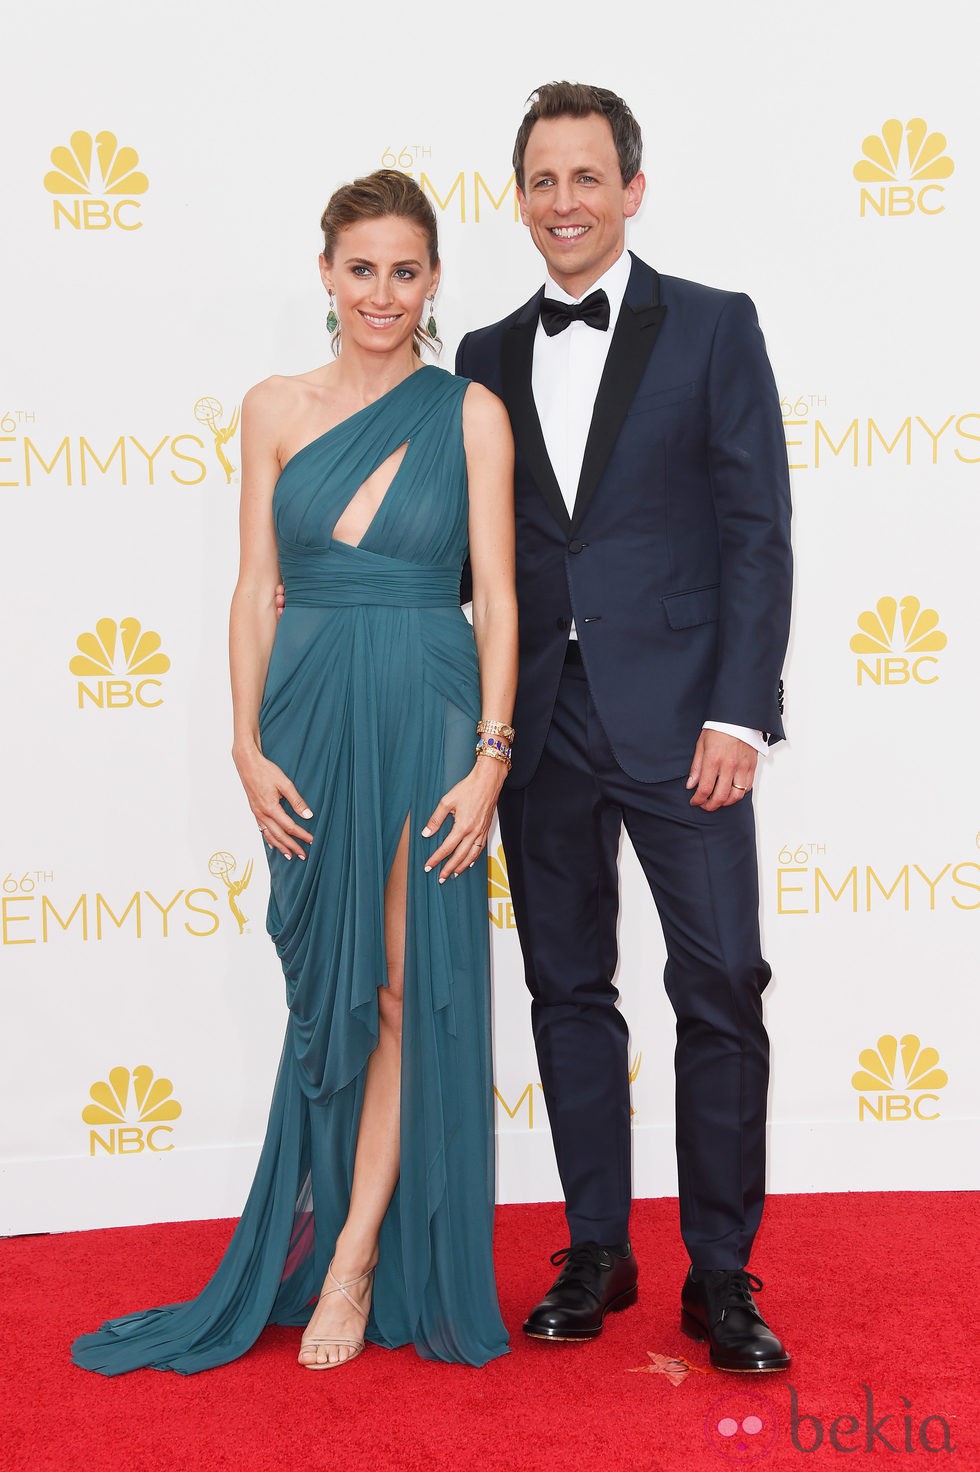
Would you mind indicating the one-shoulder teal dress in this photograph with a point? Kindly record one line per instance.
(370, 707)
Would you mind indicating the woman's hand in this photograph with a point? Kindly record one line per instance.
(266, 786)
(472, 804)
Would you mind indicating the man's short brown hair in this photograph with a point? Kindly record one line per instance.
(578, 100)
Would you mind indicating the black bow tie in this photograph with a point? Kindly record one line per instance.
(593, 309)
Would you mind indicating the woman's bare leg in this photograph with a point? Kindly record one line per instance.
(376, 1161)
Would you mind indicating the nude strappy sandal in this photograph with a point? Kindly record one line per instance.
(356, 1345)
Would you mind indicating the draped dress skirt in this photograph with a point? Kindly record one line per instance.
(370, 707)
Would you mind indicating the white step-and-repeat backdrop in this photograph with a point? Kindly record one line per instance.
(164, 172)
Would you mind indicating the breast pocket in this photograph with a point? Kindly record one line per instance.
(662, 398)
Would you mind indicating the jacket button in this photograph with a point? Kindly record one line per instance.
(561, 623)
(576, 547)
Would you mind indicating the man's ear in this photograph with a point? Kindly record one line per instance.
(634, 195)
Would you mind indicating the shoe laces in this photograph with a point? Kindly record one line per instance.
(739, 1290)
(581, 1255)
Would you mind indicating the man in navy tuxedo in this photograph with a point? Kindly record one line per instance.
(654, 582)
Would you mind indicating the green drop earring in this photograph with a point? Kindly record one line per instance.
(430, 325)
(333, 321)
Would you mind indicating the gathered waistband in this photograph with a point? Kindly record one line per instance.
(331, 578)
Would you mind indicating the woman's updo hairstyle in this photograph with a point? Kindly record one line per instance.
(385, 192)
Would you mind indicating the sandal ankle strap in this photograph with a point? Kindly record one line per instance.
(343, 1287)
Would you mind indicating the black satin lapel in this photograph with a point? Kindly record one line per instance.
(516, 355)
(633, 340)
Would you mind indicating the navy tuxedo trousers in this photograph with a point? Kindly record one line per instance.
(561, 836)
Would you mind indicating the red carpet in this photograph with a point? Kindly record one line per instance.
(875, 1295)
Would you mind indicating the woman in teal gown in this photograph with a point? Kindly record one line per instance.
(365, 485)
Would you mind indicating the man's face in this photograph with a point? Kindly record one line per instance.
(574, 201)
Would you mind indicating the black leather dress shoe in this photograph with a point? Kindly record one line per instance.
(594, 1281)
(719, 1307)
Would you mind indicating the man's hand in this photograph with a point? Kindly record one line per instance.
(280, 600)
(722, 771)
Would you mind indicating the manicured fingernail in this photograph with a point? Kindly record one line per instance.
(428, 868)
(287, 856)
(426, 832)
(306, 813)
(442, 879)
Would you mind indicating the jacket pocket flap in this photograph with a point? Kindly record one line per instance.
(661, 398)
(698, 606)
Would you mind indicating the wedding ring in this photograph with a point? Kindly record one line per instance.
(738, 788)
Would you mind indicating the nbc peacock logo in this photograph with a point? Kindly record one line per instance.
(891, 1092)
(100, 179)
(903, 638)
(904, 161)
(131, 1112)
(498, 892)
(118, 665)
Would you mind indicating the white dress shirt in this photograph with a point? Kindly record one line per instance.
(565, 374)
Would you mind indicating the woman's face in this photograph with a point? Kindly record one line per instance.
(380, 276)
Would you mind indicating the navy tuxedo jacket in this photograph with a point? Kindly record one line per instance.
(676, 563)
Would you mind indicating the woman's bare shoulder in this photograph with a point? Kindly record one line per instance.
(484, 413)
(287, 392)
